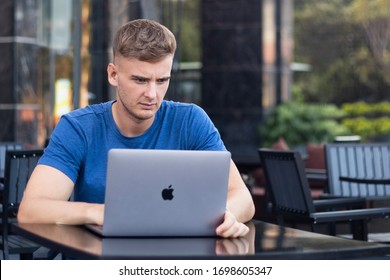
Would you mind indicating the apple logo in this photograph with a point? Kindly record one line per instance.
(167, 193)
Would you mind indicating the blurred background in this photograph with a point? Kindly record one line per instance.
(266, 71)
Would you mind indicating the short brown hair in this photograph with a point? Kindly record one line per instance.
(145, 40)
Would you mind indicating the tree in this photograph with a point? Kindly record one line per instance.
(374, 17)
(332, 37)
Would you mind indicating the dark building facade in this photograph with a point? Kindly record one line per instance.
(19, 77)
(246, 67)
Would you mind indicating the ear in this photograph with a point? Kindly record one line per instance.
(112, 74)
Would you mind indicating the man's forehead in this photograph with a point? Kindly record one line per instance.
(139, 68)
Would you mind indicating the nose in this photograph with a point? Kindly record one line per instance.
(151, 91)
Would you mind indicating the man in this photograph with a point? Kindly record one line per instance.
(76, 157)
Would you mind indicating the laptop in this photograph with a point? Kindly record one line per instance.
(164, 193)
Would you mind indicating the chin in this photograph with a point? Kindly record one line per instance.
(146, 115)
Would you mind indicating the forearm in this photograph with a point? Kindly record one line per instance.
(239, 199)
(42, 210)
(240, 204)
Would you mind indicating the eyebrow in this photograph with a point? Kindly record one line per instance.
(148, 79)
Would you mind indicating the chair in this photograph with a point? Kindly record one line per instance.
(19, 165)
(316, 169)
(347, 139)
(359, 170)
(291, 199)
(4, 147)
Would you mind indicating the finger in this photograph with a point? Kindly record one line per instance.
(227, 223)
(236, 230)
(239, 230)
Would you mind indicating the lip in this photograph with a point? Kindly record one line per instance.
(147, 106)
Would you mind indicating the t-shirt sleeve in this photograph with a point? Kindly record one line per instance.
(66, 148)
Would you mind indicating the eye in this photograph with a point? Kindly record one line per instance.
(162, 81)
(139, 80)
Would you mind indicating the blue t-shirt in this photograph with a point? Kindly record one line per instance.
(81, 140)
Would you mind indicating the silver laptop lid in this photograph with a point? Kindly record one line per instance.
(165, 192)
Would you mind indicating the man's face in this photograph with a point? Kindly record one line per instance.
(140, 86)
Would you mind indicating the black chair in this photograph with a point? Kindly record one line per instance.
(4, 147)
(290, 196)
(19, 165)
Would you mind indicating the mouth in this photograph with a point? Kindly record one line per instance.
(148, 106)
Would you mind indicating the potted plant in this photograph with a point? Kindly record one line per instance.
(301, 123)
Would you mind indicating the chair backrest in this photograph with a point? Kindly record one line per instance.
(287, 183)
(358, 161)
(4, 147)
(19, 165)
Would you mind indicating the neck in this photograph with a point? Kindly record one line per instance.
(128, 125)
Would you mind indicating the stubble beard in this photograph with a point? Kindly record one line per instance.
(138, 115)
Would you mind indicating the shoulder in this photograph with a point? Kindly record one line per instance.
(90, 110)
(85, 120)
(189, 113)
(180, 108)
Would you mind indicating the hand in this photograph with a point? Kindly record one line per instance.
(230, 227)
(96, 214)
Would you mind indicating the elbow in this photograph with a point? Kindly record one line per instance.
(22, 215)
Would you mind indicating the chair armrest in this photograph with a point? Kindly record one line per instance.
(329, 196)
(340, 202)
(316, 171)
(316, 174)
(364, 181)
